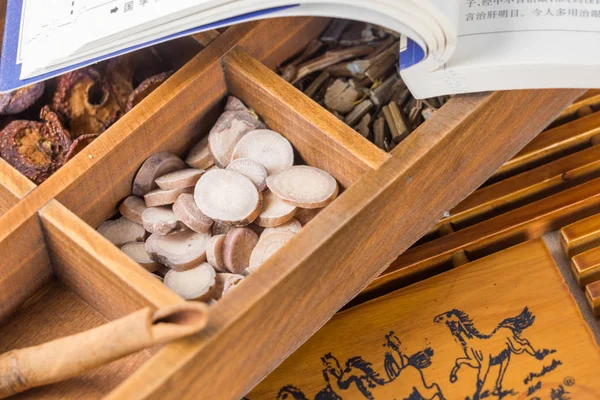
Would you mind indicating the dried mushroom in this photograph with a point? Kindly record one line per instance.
(37, 149)
(20, 99)
(83, 98)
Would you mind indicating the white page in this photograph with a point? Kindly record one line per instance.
(426, 31)
(527, 35)
(481, 17)
(517, 44)
(68, 25)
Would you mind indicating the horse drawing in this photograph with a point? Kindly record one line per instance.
(409, 382)
(483, 351)
(290, 392)
(357, 377)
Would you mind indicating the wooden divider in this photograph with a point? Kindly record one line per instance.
(321, 140)
(333, 257)
(97, 270)
(13, 186)
(25, 266)
(273, 41)
(176, 99)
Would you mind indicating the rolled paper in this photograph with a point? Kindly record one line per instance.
(64, 358)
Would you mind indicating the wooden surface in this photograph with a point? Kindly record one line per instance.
(54, 312)
(97, 270)
(526, 187)
(525, 223)
(489, 292)
(581, 235)
(25, 267)
(586, 266)
(592, 294)
(590, 98)
(13, 186)
(273, 41)
(394, 198)
(552, 144)
(206, 37)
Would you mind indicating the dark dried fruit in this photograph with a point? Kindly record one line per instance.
(125, 73)
(145, 88)
(83, 98)
(37, 149)
(20, 99)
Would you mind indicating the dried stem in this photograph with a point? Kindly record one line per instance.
(311, 90)
(358, 112)
(330, 58)
(396, 122)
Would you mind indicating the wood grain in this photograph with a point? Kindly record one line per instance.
(54, 312)
(206, 37)
(303, 280)
(581, 236)
(586, 266)
(95, 269)
(320, 139)
(489, 291)
(13, 186)
(526, 187)
(552, 144)
(178, 52)
(273, 41)
(25, 267)
(590, 98)
(525, 223)
(592, 294)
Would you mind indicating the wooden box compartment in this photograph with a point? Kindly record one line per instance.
(58, 276)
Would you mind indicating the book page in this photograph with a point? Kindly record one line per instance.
(517, 44)
(75, 23)
(488, 17)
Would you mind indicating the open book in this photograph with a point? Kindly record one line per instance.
(449, 46)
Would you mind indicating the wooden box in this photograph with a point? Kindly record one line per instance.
(59, 276)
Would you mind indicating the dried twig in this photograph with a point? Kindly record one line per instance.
(379, 132)
(396, 122)
(358, 112)
(334, 31)
(330, 58)
(316, 84)
(361, 85)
